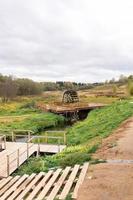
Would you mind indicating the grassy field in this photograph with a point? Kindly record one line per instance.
(23, 116)
(21, 113)
(83, 138)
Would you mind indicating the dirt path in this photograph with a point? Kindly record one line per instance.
(112, 181)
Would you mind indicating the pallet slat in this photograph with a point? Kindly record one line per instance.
(48, 185)
(39, 186)
(80, 180)
(58, 184)
(69, 183)
(14, 186)
(5, 181)
(29, 187)
(22, 187)
(51, 185)
(7, 186)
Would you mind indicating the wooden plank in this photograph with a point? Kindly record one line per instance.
(40, 186)
(5, 181)
(48, 185)
(69, 183)
(22, 187)
(13, 188)
(29, 187)
(80, 180)
(7, 186)
(59, 184)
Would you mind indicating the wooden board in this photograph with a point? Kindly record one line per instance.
(50, 185)
(80, 180)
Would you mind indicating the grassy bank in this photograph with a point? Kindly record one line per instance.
(23, 116)
(83, 138)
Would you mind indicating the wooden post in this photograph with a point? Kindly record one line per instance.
(1, 143)
(8, 166)
(29, 135)
(46, 135)
(59, 145)
(18, 158)
(12, 136)
(27, 149)
(4, 141)
(38, 150)
(65, 138)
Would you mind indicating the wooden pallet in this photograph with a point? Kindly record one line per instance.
(51, 185)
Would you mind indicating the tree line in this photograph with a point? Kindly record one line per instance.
(11, 87)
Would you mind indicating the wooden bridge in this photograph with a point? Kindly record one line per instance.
(79, 110)
(51, 185)
(13, 154)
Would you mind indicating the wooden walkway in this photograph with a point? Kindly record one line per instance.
(16, 153)
(54, 184)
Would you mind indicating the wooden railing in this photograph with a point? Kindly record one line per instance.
(63, 133)
(39, 140)
(12, 135)
(16, 158)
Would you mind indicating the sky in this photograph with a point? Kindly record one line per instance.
(66, 40)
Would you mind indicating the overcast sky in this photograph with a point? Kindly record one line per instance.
(70, 40)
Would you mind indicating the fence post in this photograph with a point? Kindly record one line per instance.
(1, 143)
(65, 138)
(8, 166)
(18, 158)
(27, 149)
(38, 150)
(59, 145)
(4, 141)
(46, 135)
(28, 135)
(12, 136)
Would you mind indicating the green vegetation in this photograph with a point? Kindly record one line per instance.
(18, 116)
(100, 122)
(130, 87)
(33, 122)
(84, 138)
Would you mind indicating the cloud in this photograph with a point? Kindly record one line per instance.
(70, 40)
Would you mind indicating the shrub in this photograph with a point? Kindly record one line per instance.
(74, 158)
(30, 104)
(33, 165)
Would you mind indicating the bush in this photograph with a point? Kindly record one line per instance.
(33, 165)
(74, 158)
(30, 104)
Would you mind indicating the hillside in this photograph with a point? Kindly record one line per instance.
(84, 138)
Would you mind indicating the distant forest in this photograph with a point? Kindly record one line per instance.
(11, 87)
